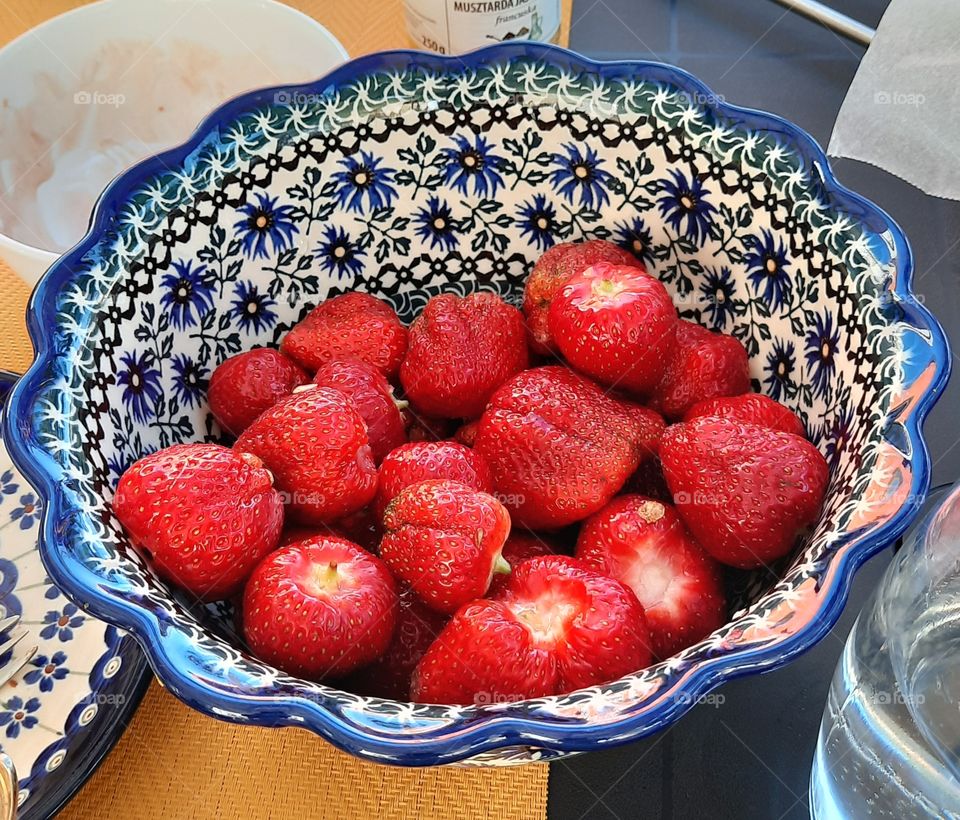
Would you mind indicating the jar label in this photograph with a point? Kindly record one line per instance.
(454, 26)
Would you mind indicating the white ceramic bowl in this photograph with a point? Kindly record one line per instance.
(248, 43)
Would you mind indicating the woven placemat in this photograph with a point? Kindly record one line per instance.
(173, 762)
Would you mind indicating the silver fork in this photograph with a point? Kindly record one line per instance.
(9, 786)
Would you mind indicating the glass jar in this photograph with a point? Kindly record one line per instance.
(455, 26)
(890, 736)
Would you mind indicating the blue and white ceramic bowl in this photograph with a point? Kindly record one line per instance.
(406, 175)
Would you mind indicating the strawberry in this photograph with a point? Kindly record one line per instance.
(518, 548)
(467, 434)
(245, 385)
(745, 492)
(389, 676)
(353, 325)
(558, 626)
(421, 460)
(373, 396)
(203, 514)
(616, 324)
(319, 608)
(752, 408)
(552, 272)
(315, 444)
(461, 350)
(645, 545)
(362, 527)
(704, 365)
(559, 447)
(444, 539)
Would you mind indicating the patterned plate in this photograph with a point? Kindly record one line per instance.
(64, 711)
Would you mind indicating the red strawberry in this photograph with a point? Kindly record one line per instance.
(745, 492)
(315, 444)
(519, 547)
(319, 608)
(752, 408)
(467, 434)
(559, 447)
(461, 350)
(421, 460)
(204, 514)
(704, 365)
(371, 393)
(551, 273)
(558, 626)
(644, 544)
(354, 325)
(444, 539)
(245, 385)
(389, 676)
(616, 324)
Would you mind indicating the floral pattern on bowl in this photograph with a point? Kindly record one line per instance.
(408, 175)
(68, 706)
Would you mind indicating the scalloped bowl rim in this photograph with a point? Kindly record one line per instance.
(492, 730)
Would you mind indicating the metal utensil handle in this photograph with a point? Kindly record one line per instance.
(832, 19)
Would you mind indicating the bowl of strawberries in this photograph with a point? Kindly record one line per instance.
(481, 409)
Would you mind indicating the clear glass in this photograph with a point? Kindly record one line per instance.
(890, 735)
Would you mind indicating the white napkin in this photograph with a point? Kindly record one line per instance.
(902, 111)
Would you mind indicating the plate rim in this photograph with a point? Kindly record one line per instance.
(115, 722)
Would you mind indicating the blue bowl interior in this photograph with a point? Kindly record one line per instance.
(405, 176)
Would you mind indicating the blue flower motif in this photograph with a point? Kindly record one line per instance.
(436, 224)
(364, 178)
(141, 384)
(117, 464)
(187, 293)
(580, 172)
(718, 290)
(61, 623)
(685, 206)
(537, 220)
(53, 592)
(838, 434)
(821, 346)
(16, 715)
(338, 253)
(635, 237)
(190, 380)
(265, 222)
(766, 263)
(476, 162)
(28, 513)
(7, 484)
(47, 670)
(779, 366)
(253, 310)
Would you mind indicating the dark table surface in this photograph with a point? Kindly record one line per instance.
(749, 755)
